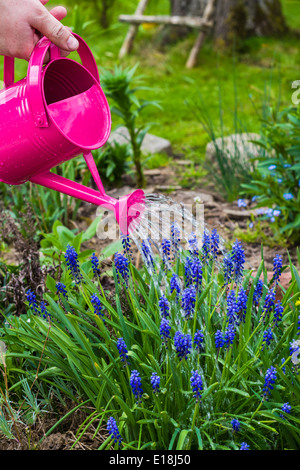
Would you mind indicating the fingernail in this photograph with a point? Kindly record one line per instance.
(72, 43)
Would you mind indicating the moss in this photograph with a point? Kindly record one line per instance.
(237, 21)
(273, 22)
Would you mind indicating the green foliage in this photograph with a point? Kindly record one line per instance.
(276, 181)
(46, 204)
(113, 161)
(80, 347)
(117, 85)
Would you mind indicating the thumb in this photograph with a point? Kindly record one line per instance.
(54, 30)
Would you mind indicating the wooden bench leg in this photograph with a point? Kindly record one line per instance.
(129, 40)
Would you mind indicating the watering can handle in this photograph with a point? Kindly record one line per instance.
(9, 68)
(34, 75)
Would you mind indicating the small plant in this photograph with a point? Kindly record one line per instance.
(276, 182)
(118, 86)
(113, 161)
(193, 353)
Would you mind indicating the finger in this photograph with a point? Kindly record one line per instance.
(59, 13)
(54, 30)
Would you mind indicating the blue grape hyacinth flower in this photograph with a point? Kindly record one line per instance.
(113, 430)
(236, 425)
(258, 291)
(244, 446)
(123, 351)
(189, 301)
(267, 338)
(61, 289)
(164, 331)
(198, 340)
(286, 408)
(278, 311)
(219, 339)
(31, 299)
(277, 268)
(183, 345)
(44, 312)
(136, 385)
(121, 265)
(227, 269)
(205, 246)
(95, 265)
(268, 304)
(96, 303)
(164, 306)
(241, 305)
(127, 247)
(71, 258)
(148, 254)
(196, 384)
(214, 243)
(166, 252)
(270, 379)
(155, 382)
(175, 285)
(175, 239)
(238, 260)
(193, 245)
(197, 273)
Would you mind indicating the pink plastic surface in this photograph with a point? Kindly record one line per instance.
(54, 114)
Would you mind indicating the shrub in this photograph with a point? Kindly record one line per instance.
(195, 353)
(275, 184)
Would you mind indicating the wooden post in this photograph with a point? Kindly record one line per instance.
(207, 15)
(128, 42)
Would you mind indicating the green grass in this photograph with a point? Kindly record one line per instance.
(266, 64)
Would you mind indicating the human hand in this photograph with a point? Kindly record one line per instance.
(21, 21)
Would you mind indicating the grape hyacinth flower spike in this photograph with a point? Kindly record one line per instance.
(155, 382)
(277, 268)
(71, 258)
(270, 379)
(196, 384)
(136, 385)
(189, 301)
(183, 345)
(113, 430)
(214, 243)
(96, 303)
(123, 351)
(95, 265)
(164, 306)
(121, 265)
(61, 289)
(31, 299)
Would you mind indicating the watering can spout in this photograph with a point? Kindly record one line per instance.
(127, 210)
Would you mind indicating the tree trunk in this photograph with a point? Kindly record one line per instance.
(238, 18)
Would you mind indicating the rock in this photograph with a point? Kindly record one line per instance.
(156, 172)
(168, 188)
(184, 162)
(235, 145)
(232, 214)
(151, 143)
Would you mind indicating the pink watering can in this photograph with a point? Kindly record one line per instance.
(58, 112)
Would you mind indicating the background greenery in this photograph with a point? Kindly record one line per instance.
(265, 70)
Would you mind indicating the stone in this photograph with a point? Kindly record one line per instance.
(232, 214)
(155, 172)
(167, 188)
(151, 144)
(184, 162)
(235, 144)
